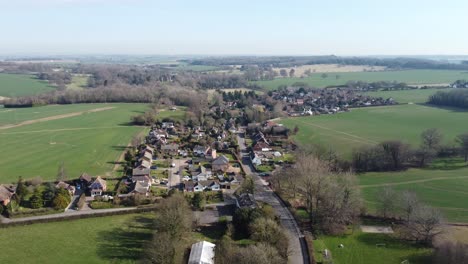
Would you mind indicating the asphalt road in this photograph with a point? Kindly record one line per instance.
(263, 193)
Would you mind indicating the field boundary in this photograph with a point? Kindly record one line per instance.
(411, 182)
(50, 118)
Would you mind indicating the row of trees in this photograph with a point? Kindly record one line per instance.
(332, 198)
(453, 98)
(173, 222)
(395, 155)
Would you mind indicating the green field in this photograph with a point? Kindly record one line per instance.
(115, 239)
(408, 76)
(79, 82)
(443, 188)
(369, 126)
(407, 96)
(12, 85)
(361, 248)
(90, 142)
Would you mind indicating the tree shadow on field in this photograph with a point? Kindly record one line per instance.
(121, 148)
(125, 243)
(450, 108)
(446, 164)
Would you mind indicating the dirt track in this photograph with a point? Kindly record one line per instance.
(50, 118)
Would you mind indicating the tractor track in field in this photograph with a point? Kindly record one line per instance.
(411, 182)
(353, 137)
(63, 130)
(50, 118)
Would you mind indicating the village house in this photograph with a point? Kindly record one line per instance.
(189, 186)
(141, 175)
(167, 125)
(143, 164)
(171, 149)
(6, 193)
(201, 150)
(261, 146)
(221, 163)
(98, 187)
(66, 186)
(83, 182)
(140, 187)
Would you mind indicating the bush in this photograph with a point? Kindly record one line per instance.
(60, 201)
(101, 205)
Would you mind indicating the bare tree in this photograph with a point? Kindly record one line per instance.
(463, 141)
(387, 199)
(283, 73)
(408, 203)
(292, 72)
(431, 138)
(424, 225)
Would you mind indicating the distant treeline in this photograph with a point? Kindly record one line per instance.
(455, 98)
(167, 95)
(291, 61)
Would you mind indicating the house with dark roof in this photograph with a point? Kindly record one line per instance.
(98, 187)
(66, 186)
(221, 163)
(172, 149)
(246, 200)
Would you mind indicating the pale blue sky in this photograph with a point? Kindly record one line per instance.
(287, 27)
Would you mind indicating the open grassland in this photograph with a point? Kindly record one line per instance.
(361, 248)
(340, 78)
(344, 132)
(12, 85)
(445, 189)
(321, 68)
(408, 96)
(86, 140)
(113, 239)
(79, 82)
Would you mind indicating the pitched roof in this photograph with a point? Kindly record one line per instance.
(170, 147)
(140, 187)
(140, 172)
(221, 160)
(202, 253)
(86, 177)
(5, 192)
(99, 183)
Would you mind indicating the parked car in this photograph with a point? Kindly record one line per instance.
(154, 167)
(264, 174)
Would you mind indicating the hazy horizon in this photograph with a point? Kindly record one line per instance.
(214, 28)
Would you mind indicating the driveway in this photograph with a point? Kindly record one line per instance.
(263, 193)
(174, 174)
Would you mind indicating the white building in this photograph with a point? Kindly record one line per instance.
(202, 253)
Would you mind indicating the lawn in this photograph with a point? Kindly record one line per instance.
(114, 239)
(175, 115)
(407, 96)
(369, 126)
(12, 85)
(407, 76)
(90, 142)
(441, 188)
(361, 248)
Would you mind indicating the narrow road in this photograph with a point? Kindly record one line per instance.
(263, 193)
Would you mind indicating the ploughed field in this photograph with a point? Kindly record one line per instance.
(86, 138)
(12, 85)
(341, 78)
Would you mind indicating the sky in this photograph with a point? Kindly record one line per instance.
(234, 27)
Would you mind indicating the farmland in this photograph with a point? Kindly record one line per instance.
(21, 85)
(407, 96)
(361, 248)
(116, 239)
(407, 76)
(333, 68)
(85, 139)
(441, 188)
(368, 126)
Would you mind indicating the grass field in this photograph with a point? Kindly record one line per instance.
(408, 96)
(114, 239)
(79, 82)
(361, 248)
(368, 126)
(408, 76)
(90, 142)
(21, 85)
(445, 189)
